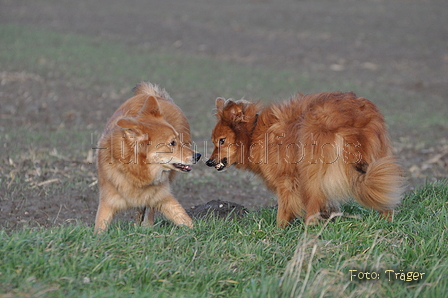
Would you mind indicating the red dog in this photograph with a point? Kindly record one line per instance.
(314, 151)
(145, 143)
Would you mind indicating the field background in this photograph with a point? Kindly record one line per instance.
(65, 66)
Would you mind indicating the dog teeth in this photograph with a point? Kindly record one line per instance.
(183, 167)
(220, 165)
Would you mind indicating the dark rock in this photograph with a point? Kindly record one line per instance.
(219, 209)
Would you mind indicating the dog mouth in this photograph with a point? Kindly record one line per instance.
(182, 167)
(218, 166)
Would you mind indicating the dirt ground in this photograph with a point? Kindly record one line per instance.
(398, 44)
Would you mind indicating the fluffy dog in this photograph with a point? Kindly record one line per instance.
(145, 142)
(314, 151)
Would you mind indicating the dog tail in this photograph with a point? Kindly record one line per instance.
(151, 90)
(381, 185)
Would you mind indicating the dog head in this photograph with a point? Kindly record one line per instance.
(149, 139)
(235, 123)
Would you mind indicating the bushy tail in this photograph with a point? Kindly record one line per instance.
(381, 186)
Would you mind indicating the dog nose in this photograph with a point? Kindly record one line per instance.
(196, 156)
(211, 162)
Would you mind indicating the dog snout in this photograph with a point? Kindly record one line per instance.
(196, 156)
(211, 162)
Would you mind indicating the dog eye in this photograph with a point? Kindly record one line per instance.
(221, 141)
(173, 143)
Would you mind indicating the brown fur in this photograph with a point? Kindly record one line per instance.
(145, 142)
(314, 151)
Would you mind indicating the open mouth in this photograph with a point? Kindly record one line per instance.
(220, 166)
(182, 167)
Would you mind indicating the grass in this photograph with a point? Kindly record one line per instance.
(247, 258)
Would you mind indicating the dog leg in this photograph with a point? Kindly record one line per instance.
(174, 211)
(284, 215)
(104, 216)
(328, 210)
(144, 216)
(148, 217)
(387, 215)
(314, 205)
(140, 215)
(285, 212)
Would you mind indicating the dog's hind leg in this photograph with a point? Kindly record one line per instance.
(145, 216)
(328, 210)
(284, 212)
(313, 210)
(148, 217)
(315, 201)
(140, 215)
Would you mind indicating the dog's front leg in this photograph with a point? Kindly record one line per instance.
(104, 216)
(174, 211)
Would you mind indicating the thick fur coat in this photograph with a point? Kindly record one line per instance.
(314, 151)
(145, 142)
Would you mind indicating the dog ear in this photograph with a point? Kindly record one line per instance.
(235, 112)
(220, 103)
(151, 108)
(128, 123)
(131, 126)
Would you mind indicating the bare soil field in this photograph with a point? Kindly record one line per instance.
(395, 45)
